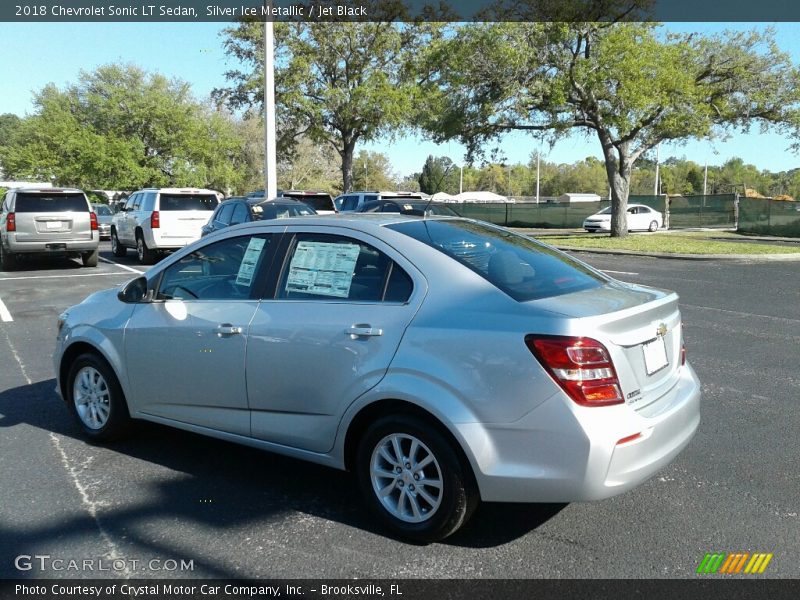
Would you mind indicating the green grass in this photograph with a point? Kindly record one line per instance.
(695, 242)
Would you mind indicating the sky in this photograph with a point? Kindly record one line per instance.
(35, 54)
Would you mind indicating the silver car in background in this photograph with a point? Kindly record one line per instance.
(47, 222)
(445, 361)
(104, 217)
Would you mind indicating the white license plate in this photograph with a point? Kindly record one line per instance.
(53, 225)
(655, 355)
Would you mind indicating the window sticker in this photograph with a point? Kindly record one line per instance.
(322, 268)
(249, 261)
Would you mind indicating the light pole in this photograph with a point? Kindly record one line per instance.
(270, 154)
(655, 185)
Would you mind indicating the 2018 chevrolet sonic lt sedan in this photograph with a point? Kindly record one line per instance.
(443, 360)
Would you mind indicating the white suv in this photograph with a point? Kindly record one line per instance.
(158, 219)
(353, 201)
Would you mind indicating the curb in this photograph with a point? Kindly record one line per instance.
(723, 257)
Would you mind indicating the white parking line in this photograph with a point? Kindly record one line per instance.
(116, 264)
(4, 314)
(618, 272)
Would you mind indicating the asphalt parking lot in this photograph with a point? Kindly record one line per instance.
(166, 496)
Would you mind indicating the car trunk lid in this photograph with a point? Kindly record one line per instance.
(641, 328)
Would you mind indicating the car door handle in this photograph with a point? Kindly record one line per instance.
(364, 331)
(226, 329)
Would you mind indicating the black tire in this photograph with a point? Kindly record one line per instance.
(90, 258)
(95, 375)
(146, 256)
(653, 226)
(116, 247)
(7, 260)
(453, 505)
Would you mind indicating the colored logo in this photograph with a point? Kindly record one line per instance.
(734, 563)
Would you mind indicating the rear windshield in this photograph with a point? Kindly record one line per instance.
(317, 202)
(28, 202)
(522, 268)
(188, 202)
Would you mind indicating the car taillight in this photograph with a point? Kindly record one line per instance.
(581, 366)
(155, 221)
(11, 222)
(93, 221)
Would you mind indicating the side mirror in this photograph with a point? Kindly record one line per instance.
(135, 291)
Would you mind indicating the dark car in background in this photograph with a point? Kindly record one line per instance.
(321, 202)
(243, 210)
(402, 206)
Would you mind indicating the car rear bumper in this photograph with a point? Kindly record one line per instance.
(157, 240)
(562, 452)
(52, 246)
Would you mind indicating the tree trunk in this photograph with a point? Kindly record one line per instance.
(618, 169)
(347, 152)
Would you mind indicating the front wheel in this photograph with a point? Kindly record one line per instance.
(413, 480)
(116, 248)
(7, 260)
(653, 226)
(96, 400)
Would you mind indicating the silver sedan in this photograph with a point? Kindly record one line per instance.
(445, 361)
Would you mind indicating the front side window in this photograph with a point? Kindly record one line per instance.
(519, 266)
(224, 270)
(327, 267)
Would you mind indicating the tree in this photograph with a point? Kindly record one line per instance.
(122, 128)
(311, 166)
(372, 171)
(336, 83)
(432, 179)
(629, 84)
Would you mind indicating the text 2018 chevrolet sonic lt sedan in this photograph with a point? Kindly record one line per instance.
(443, 360)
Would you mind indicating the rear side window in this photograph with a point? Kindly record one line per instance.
(188, 202)
(522, 268)
(224, 215)
(327, 267)
(27, 202)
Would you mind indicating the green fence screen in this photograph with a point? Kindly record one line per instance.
(769, 217)
(687, 211)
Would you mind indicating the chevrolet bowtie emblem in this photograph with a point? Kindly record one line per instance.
(662, 330)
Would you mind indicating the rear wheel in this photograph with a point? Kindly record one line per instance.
(413, 480)
(90, 258)
(146, 256)
(653, 226)
(116, 248)
(95, 398)
(7, 260)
